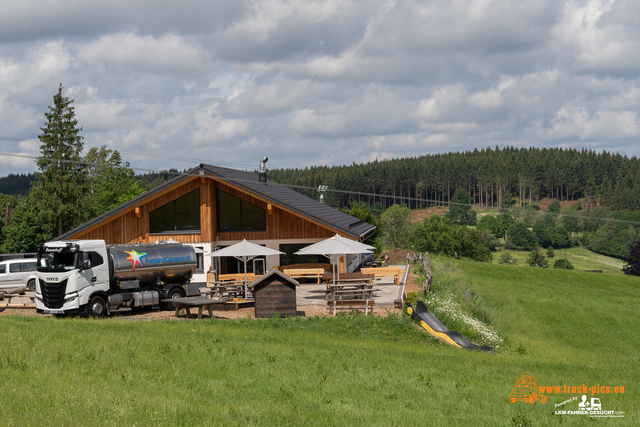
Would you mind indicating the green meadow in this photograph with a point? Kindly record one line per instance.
(581, 258)
(565, 327)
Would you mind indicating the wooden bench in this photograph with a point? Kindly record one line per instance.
(238, 277)
(351, 304)
(304, 273)
(328, 278)
(386, 272)
(324, 266)
(9, 297)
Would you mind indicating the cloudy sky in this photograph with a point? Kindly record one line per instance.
(320, 82)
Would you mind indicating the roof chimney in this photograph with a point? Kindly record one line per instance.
(262, 172)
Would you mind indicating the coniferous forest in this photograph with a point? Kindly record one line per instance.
(492, 177)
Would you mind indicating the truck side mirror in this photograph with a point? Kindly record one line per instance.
(86, 264)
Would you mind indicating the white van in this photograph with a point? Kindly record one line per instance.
(19, 272)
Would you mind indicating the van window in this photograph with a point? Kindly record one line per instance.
(16, 267)
(29, 266)
(3, 268)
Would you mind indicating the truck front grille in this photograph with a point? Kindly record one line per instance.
(53, 293)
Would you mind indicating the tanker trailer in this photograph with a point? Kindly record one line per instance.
(86, 277)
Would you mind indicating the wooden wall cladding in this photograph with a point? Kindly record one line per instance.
(129, 226)
(275, 297)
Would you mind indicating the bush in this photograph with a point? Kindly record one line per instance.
(550, 252)
(521, 237)
(548, 234)
(460, 209)
(491, 223)
(632, 268)
(536, 258)
(489, 240)
(506, 258)
(554, 207)
(559, 263)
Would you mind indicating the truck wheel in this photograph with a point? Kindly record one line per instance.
(97, 307)
(174, 293)
(31, 285)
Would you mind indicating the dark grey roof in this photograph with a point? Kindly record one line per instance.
(271, 273)
(248, 181)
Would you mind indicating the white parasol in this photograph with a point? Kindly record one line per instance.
(334, 248)
(244, 251)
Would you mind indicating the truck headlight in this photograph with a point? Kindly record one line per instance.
(71, 298)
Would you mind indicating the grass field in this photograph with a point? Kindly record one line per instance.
(581, 258)
(566, 327)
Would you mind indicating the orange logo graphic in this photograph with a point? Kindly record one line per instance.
(526, 390)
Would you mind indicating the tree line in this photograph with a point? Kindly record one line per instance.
(16, 184)
(500, 177)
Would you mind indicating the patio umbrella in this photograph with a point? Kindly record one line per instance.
(334, 248)
(244, 251)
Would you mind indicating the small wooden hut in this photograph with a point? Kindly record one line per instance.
(274, 293)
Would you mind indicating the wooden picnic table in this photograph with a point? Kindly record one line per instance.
(359, 290)
(231, 289)
(222, 290)
(188, 302)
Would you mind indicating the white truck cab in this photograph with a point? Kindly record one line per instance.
(69, 273)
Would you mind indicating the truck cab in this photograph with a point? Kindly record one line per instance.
(69, 274)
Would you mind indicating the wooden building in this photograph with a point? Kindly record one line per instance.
(211, 207)
(274, 293)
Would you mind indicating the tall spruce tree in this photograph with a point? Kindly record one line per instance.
(59, 189)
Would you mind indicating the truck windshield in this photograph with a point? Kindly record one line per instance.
(56, 261)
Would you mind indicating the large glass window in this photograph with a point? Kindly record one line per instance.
(235, 214)
(180, 215)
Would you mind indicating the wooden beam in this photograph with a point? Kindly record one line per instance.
(138, 211)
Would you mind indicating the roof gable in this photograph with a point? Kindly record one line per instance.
(248, 182)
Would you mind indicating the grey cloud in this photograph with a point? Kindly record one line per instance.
(332, 82)
(30, 20)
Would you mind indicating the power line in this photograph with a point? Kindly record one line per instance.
(153, 156)
(416, 199)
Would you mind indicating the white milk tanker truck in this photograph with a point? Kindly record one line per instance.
(87, 277)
